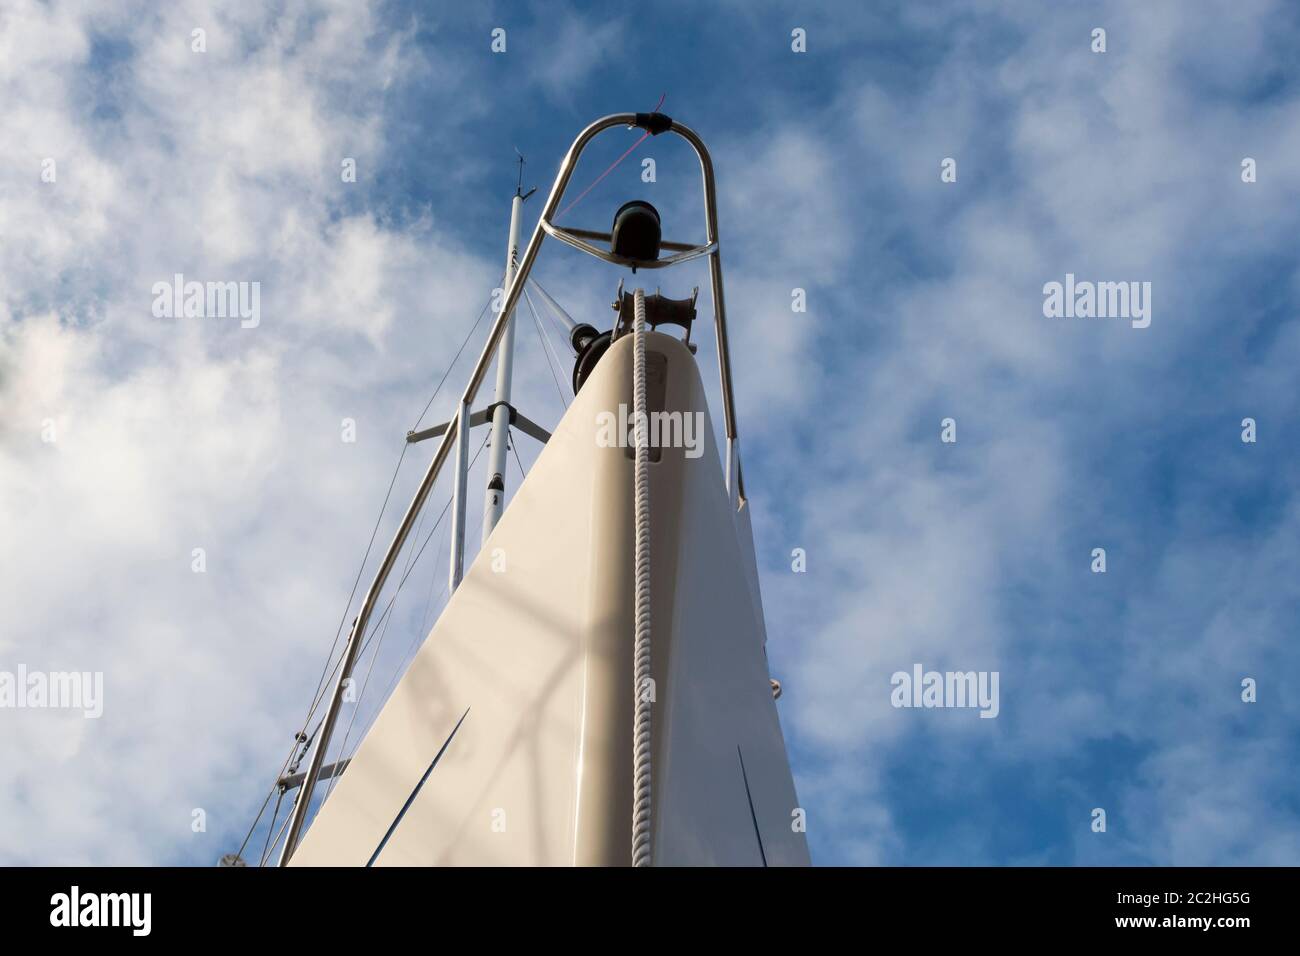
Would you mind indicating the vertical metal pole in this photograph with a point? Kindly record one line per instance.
(494, 499)
(733, 472)
(457, 569)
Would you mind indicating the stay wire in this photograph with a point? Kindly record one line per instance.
(387, 610)
(318, 695)
(537, 323)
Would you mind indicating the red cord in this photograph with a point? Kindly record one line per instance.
(612, 165)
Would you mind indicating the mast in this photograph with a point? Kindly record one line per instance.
(494, 497)
(453, 436)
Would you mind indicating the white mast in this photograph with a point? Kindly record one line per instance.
(494, 499)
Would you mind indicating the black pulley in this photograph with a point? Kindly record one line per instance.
(637, 232)
(581, 337)
(590, 354)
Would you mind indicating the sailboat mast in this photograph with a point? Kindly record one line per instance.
(494, 498)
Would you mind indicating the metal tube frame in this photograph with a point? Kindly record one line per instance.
(457, 433)
(461, 429)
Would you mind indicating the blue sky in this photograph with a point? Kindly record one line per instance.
(1118, 690)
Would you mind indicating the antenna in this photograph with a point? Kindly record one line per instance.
(519, 185)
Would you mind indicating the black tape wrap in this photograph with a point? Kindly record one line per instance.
(653, 123)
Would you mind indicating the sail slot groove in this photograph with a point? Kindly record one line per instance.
(392, 827)
(752, 815)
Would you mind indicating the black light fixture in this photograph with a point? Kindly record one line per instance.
(637, 232)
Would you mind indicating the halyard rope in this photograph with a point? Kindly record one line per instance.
(642, 743)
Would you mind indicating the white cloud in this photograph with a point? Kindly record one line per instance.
(172, 434)
(564, 49)
(920, 552)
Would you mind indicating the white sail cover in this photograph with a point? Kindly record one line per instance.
(521, 698)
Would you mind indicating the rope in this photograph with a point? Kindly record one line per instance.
(641, 743)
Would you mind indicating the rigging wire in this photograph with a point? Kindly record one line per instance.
(556, 322)
(537, 323)
(299, 737)
(389, 607)
(433, 579)
(266, 847)
(452, 364)
(562, 321)
(410, 562)
(416, 640)
(387, 610)
(522, 473)
(318, 695)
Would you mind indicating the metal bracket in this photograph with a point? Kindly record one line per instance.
(517, 418)
(659, 310)
(573, 237)
(294, 780)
